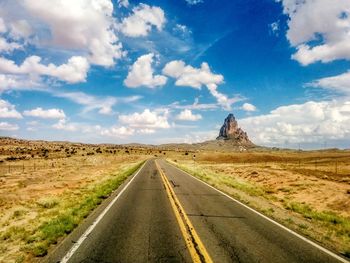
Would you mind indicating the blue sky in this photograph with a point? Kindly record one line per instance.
(170, 71)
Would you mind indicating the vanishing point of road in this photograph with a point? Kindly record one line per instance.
(162, 214)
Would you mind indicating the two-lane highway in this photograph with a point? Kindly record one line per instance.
(166, 215)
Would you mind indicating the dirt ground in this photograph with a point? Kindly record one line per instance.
(308, 191)
(300, 189)
(37, 176)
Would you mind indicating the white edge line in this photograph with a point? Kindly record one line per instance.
(75, 247)
(330, 253)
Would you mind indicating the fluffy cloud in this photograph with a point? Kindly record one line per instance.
(119, 132)
(141, 74)
(146, 120)
(248, 107)
(16, 82)
(187, 115)
(86, 25)
(308, 123)
(62, 124)
(5, 126)
(7, 110)
(326, 23)
(8, 47)
(142, 20)
(187, 75)
(74, 71)
(339, 83)
(45, 114)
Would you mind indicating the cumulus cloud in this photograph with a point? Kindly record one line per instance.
(187, 75)
(187, 115)
(8, 47)
(141, 21)
(16, 82)
(75, 70)
(7, 110)
(86, 25)
(308, 123)
(248, 107)
(318, 29)
(146, 120)
(339, 83)
(62, 124)
(119, 132)
(142, 74)
(45, 114)
(5, 126)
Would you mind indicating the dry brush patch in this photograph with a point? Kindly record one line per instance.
(286, 186)
(39, 206)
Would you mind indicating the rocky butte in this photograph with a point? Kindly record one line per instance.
(230, 131)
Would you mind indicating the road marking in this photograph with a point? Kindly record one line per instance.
(74, 248)
(330, 253)
(195, 246)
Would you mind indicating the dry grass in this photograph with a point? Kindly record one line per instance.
(44, 198)
(308, 191)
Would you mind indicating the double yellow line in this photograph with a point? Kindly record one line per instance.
(194, 245)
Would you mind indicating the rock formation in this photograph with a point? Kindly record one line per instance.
(231, 131)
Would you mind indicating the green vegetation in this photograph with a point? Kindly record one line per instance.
(73, 213)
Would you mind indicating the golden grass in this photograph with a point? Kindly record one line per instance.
(288, 186)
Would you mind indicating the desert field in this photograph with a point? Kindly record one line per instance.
(307, 191)
(46, 189)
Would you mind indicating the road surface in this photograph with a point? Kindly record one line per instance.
(166, 215)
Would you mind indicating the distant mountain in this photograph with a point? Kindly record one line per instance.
(230, 131)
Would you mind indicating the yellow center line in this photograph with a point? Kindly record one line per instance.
(194, 244)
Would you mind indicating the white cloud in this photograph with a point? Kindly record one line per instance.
(3, 27)
(275, 27)
(195, 106)
(308, 123)
(187, 75)
(45, 114)
(339, 83)
(86, 25)
(7, 110)
(142, 74)
(194, 2)
(74, 71)
(142, 20)
(324, 22)
(146, 120)
(20, 29)
(104, 105)
(248, 107)
(5, 126)
(123, 3)
(8, 47)
(16, 82)
(187, 115)
(62, 124)
(119, 132)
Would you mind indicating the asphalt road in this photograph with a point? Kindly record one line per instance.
(144, 226)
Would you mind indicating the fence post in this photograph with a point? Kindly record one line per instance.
(336, 167)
